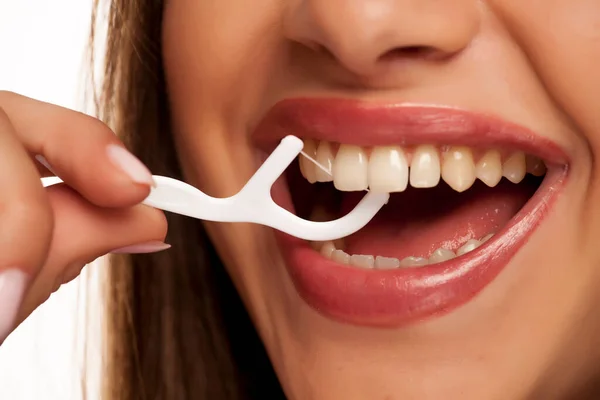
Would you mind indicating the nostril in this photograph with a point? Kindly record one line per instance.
(317, 48)
(412, 52)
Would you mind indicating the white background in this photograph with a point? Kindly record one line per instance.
(42, 44)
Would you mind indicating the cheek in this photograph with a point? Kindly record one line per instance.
(218, 56)
(562, 41)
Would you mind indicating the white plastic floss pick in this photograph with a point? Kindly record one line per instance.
(254, 203)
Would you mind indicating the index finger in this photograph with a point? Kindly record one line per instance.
(82, 150)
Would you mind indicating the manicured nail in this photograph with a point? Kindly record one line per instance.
(42, 160)
(12, 288)
(142, 248)
(129, 164)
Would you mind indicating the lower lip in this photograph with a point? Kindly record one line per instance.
(393, 298)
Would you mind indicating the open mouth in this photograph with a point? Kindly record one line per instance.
(467, 191)
(446, 201)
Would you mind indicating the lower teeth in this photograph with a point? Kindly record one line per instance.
(331, 251)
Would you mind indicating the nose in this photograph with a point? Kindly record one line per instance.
(364, 35)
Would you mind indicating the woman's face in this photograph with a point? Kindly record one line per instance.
(434, 101)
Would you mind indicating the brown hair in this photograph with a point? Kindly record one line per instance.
(176, 328)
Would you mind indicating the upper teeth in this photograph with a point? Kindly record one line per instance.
(391, 168)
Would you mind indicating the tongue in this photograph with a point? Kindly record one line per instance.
(418, 221)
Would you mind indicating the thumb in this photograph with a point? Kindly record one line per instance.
(83, 232)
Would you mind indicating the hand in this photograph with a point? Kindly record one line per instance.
(48, 235)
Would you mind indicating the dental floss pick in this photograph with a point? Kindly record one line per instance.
(254, 203)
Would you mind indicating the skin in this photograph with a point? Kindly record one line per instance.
(533, 332)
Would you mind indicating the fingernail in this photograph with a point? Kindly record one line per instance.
(12, 287)
(129, 164)
(142, 248)
(42, 160)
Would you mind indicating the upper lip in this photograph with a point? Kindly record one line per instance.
(378, 124)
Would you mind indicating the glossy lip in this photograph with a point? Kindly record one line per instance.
(391, 298)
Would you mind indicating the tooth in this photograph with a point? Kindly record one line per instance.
(458, 169)
(327, 249)
(350, 169)
(325, 158)
(388, 170)
(386, 262)
(514, 167)
(425, 167)
(362, 261)
(316, 245)
(341, 257)
(486, 238)
(414, 262)
(441, 255)
(535, 166)
(467, 247)
(307, 168)
(489, 168)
